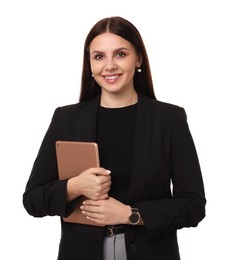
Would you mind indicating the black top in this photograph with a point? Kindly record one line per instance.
(115, 138)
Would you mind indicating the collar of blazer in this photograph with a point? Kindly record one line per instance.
(143, 136)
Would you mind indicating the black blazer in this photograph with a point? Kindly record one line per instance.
(163, 151)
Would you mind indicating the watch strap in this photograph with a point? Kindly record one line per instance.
(134, 209)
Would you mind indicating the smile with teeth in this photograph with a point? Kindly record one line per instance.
(111, 77)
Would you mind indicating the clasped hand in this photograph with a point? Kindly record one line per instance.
(106, 212)
(99, 208)
(95, 183)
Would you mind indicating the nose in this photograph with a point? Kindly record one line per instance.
(111, 64)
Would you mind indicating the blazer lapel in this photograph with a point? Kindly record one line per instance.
(142, 149)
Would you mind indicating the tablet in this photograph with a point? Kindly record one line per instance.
(73, 158)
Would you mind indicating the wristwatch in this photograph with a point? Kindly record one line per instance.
(134, 218)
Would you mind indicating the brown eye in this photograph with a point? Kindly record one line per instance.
(120, 54)
(98, 57)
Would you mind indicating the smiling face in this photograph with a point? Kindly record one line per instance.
(113, 61)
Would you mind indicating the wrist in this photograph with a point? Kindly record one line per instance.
(128, 213)
(72, 192)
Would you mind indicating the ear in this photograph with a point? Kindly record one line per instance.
(139, 61)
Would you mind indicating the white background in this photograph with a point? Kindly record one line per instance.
(41, 45)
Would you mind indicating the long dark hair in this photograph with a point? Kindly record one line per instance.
(123, 28)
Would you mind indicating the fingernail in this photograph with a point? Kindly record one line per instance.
(108, 171)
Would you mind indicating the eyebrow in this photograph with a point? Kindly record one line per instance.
(119, 49)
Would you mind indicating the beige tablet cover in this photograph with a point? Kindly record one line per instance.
(73, 158)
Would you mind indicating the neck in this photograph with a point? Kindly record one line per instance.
(118, 100)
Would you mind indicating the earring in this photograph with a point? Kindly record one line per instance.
(139, 70)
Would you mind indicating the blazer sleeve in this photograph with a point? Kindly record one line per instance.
(186, 206)
(44, 193)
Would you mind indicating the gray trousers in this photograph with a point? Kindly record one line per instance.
(114, 248)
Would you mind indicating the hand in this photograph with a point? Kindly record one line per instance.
(106, 212)
(93, 183)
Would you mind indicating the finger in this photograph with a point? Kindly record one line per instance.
(101, 171)
(104, 180)
(92, 215)
(92, 211)
(91, 203)
(88, 209)
(106, 172)
(95, 220)
(106, 185)
(104, 196)
(105, 191)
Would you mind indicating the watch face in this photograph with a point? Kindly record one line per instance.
(134, 218)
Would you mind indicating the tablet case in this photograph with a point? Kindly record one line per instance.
(73, 158)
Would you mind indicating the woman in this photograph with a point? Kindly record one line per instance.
(144, 145)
